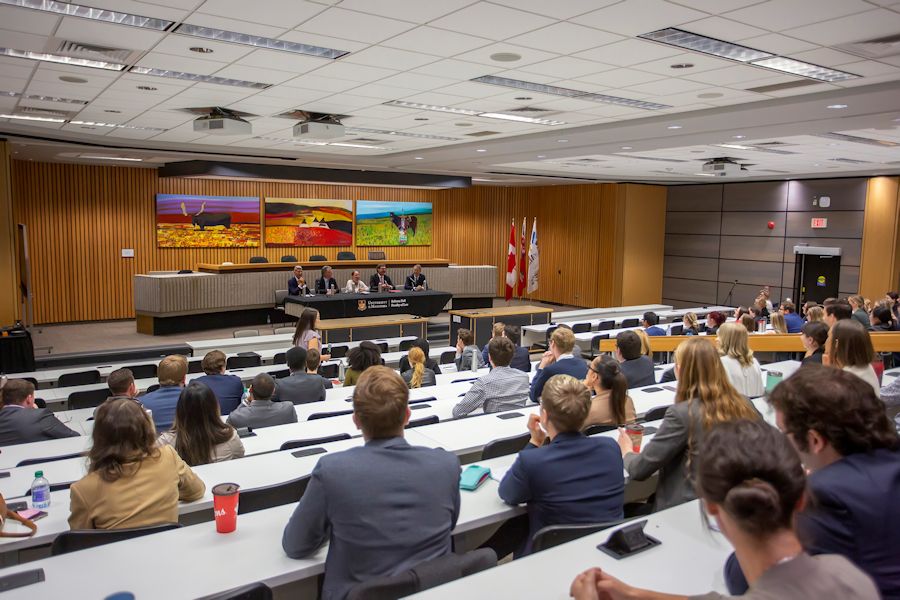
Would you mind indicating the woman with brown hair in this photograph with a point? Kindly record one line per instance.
(198, 433)
(359, 359)
(130, 481)
(813, 334)
(704, 399)
(737, 358)
(418, 375)
(849, 347)
(611, 404)
(748, 323)
(306, 334)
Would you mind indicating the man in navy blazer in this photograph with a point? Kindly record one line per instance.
(383, 507)
(572, 480)
(229, 389)
(852, 450)
(650, 324)
(557, 360)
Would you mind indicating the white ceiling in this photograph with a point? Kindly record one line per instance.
(427, 52)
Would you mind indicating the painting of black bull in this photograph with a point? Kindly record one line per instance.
(203, 219)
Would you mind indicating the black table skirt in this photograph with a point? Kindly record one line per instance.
(16, 352)
(341, 306)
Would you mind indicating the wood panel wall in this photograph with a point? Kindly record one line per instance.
(81, 216)
(9, 266)
(880, 260)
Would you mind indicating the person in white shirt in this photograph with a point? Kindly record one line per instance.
(849, 347)
(741, 367)
(355, 285)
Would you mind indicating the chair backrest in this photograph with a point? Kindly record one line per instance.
(382, 346)
(37, 461)
(318, 258)
(595, 429)
(284, 330)
(142, 371)
(595, 343)
(262, 498)
(79, 378)
(676, 329)
(581, 327)
(548, 333)
(242, 333)
(327, 415)
(425, 576)
(448, 357)
(280, 295)
(242, 361)
(279, 373)
(504, 446)
(88, 399)
(554, 535)
(629, 323)
(337, 350)
(314, 441)
(82, 539)
(288, 258)
(423, 421)
(329, 371)
(604, 325)
(259, 259)
(346, 256)
(54, 487)
(195, 366)
(376, 255)
(153, 388)
(253, 591)
(33, 381)
(280, 358)
(655, 414)
(405, 345)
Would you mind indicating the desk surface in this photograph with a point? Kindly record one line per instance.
(316, 265)
(500, 311)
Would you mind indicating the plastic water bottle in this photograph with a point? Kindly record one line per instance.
(474, 364)
(40, 491)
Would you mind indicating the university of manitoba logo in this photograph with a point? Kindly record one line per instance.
(361, 305)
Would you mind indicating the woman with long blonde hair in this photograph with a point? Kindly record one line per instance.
(815, 314)
(704, 399)
(741, 367)
(645, 343)
(691, 324)
(778, 324)
(418, 375)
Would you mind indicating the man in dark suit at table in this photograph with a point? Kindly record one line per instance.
(637, 368)
(229, 389)
(380, 282)
(326, 284)
(558, 360)
(384, 507)
(299, 387)
(416, 281)
(297, 284)
(21, 422)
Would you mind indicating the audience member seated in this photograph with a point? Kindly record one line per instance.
(382, 508)
(857, 305)
(21, 421)
(704, 399)
(503, 388)
(359, 359)
(171, 373)
(121, 385)
(130, 481)
(558, 360)
(430, 363)
(380, 280)
(306, 335)
(813, 335)
(894, 299)
(521, 360)
(691, 324)
(198, 434)
(418, 375)
(645, 343)
(713, 320)
(815, 313)
(748, 323)
(229, 389)
(650, 324)
(468, 356)
(882, 322)
(792, 320)
(890, 394)
(638, 369)
(741, 367)
(260, 410)
(296, 283)
(355, 285)
(851, 452)
(804, 310)
(572, 480)
(739, 312)
(836, 311)
(849, 348)
(300, 387)
(765, 292)
(326, 284)
(778, 323)
(313, 360)
(416, 281)
(752, 484)
(611, 404)
(761, 307)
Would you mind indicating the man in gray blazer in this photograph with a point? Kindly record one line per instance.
(262, 412)
(299, 387)
(384, 507)
(21, 422)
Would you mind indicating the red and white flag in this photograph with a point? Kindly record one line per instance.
(522, 251)
(511, 262)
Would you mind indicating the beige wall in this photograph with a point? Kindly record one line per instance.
(880, 260)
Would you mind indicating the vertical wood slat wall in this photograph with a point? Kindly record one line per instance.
(80, 217)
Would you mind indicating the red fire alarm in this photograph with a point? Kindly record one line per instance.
(771, 225)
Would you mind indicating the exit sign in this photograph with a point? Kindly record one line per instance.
(818, 223)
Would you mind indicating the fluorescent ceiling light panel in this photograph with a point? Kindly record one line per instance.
(409, 134)
(42, 98)
(734, 146)
(32, 118)
(432, 107)
(803, 69)
(521, 119)
(307, 143)
(95, 14)
(114, 125)
(65, 60)
(122, 158)
(259, 42)
(199, 78)
(567, 92)
(707, 45)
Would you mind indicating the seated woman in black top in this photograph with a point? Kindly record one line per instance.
(813, 335)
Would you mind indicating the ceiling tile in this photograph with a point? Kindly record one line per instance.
(566, 67)
(181, 45)
(15, 84)
(158, 60)
(415, 11)
(629, 52)
(777, 43)
(863, 26)
(565, 38)
(23, 41)
(357, 26)
(172, 10)
(107, 34)
(256, 74)
(14, 67)
(379, 56)
(715, 7)
(778, 15)
(491, 21)
(620, 78)
(483, 55)
(825, 57)
(313, 81)
(27, 21)
(220, 22)
(283, 61)
(377, 91)
(701, 63)
(559, 9)
(351, 72)
(871, 68)
(633, 17)
(667, 86)
(470, 89)
(437, 98)
(458, 69)
(730, 76)
(416, 81)
(439, 42)
(276, 13)
(722, 29)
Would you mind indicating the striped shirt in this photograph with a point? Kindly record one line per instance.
(501, 389)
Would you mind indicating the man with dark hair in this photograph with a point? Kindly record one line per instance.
(425, 347)
(261, 411)
(468, 356)
(502, 388)
(852, 452)
(229, 389)
(557, 360)
(837, 311)
(326, 284)
(637, 367)
(299, 387)
(650, 322)
(21, 422)
(792, 320)
(381, 281)
(384, 507)
(313, 360)
(121, 384)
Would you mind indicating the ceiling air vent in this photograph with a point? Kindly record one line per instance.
(777, 87)
(667, 160)
(481, 133)
(93, 52)
(851, 161)
(208, 110)
(365, 140)
(876, 48)
(845, 137)
(43, 112)
(530, 110)
(770, 150)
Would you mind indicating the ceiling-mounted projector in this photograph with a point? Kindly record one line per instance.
(318, 130)
(723, 167)
(222, 122)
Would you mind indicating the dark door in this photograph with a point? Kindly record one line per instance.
(820, 275)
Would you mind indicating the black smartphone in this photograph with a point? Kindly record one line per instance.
(4, 474)
(17, 506)
(509, 415)
(650, 390)
(21, 579)
(308, 452)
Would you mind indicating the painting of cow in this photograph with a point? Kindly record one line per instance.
(187, 221)
(393, 223)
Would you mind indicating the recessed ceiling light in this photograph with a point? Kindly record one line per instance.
(739, 137)
(258, 41)
(836, 106)
(33, 118)
(72, 79)
(682, 66)
(116, 125)
(674, 127)
(432, 107)
(562, 141)
(803, 69)
(626, 147)
(506, 57)
(409, 134)
(708, 95)
(200, 50)
(541, 156)
(65, 60)
(734, 146)
(707, 45)
(419, 158)
(147, 88)
(523, 98)
(481, 150)
(199, 78)
(87, 12)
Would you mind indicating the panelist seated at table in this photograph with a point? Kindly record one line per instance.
(326, 284)
(380, 281)
(355, 285)
(416, 281)
(296, 283)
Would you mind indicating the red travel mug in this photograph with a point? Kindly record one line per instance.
(225, 506)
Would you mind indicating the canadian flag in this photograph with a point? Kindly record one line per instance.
(511, 262)
(520, 292)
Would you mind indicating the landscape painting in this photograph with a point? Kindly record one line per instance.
(393, 223)
(185, 221)
(305, 222)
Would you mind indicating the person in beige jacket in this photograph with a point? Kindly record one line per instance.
(130, 481)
